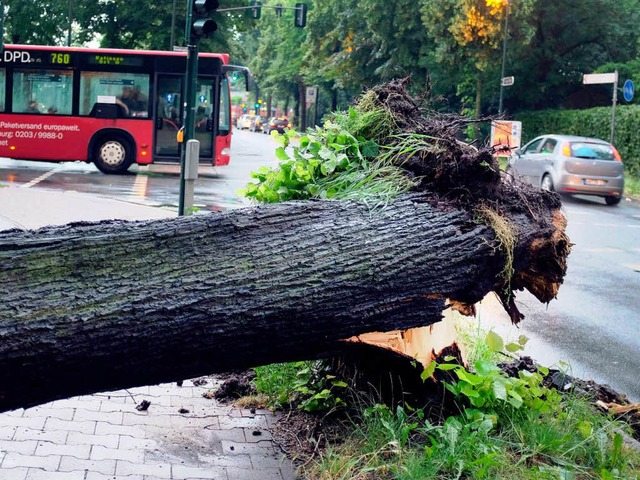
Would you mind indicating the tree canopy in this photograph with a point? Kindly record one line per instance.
(454, 45)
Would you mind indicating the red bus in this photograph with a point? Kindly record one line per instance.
(111, 107)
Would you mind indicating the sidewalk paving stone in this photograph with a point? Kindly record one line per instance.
(182, 435)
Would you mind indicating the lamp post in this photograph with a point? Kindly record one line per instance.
(504, 54)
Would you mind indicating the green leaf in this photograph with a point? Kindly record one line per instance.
(499, 390)
(469, 391)
(370, 149)
(485, 368)
(428, 372)
(585, 428)
(281, 154)
(494, 341)
(513, 347)
(468, 377)
(515, 399)
(447, 366)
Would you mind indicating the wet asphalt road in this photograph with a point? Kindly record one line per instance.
(593, 326)
(156, 185)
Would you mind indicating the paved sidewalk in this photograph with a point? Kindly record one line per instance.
(182, 435)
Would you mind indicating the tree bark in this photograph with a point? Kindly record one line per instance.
(110, 305)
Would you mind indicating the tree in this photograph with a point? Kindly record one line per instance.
(570, 38)
(279, 61)
(47, 23)
(468, 36)
(92, 307)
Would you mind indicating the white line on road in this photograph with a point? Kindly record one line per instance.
(602, 250)
(42, 177)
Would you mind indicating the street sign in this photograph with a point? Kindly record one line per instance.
(507, 81)
(593, 78)
(628, 90)
(312, 94)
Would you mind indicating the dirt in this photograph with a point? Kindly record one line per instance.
(235, 384)
(445, 164)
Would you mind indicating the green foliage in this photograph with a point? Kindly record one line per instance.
(512, 428)
(317, 390)
(329, 162)
(594, 122)
(305, 384)
(490, 392)
(277, 381)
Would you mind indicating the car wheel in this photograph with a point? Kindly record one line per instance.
(547, 183)
(113, 155)
(611, 200)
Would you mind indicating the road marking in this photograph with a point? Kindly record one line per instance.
(602, 250)
(42, 177)
(140, 186)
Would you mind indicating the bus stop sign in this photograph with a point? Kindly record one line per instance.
(628, 90)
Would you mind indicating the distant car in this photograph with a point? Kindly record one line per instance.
(276, 123)
(569, 164)
(256, 124)
(267, 122)
(244, 121)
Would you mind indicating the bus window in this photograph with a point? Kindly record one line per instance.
(42, 91)
(129, 90)
(3, 87)
(223, 122)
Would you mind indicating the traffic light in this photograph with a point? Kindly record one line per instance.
(300, 17)
(256, 11)
(202, 25)
(244, 107)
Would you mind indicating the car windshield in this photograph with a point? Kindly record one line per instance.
(597, 151)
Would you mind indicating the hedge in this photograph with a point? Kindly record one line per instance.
(593, 122)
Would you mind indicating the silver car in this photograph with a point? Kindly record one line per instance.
(569, 164)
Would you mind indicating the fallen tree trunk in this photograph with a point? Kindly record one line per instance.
(94, 307)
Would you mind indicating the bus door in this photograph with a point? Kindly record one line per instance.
(169, 116)
(206, 99)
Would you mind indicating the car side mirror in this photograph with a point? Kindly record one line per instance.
(518, 152)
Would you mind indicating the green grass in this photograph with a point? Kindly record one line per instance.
(564, 438)
(632, 186)
(278, 382)
(575, 443)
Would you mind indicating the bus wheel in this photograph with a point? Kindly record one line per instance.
(113, 155)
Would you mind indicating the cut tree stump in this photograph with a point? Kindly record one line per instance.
(110, 305)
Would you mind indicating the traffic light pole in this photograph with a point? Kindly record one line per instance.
(201, 27)
(191, 76)
(189, 106)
